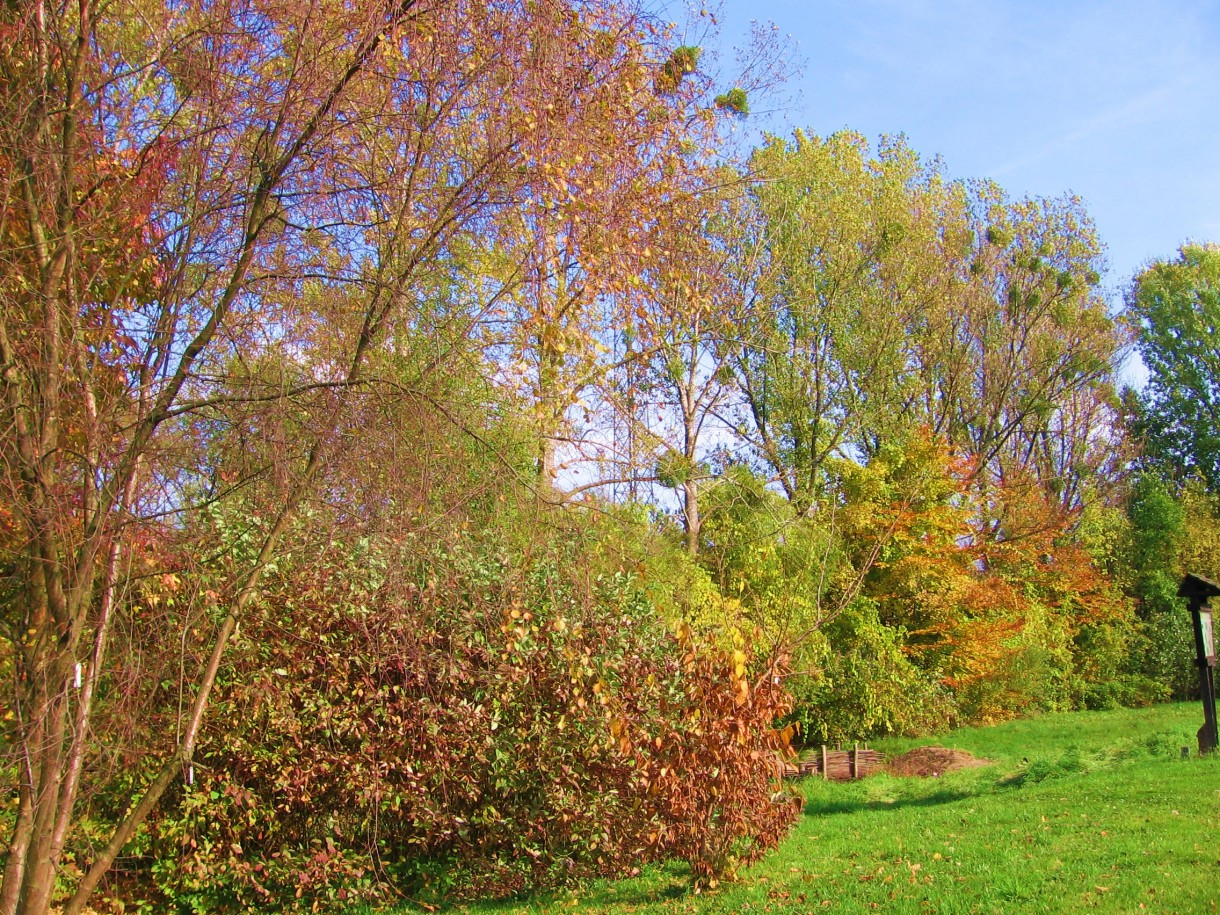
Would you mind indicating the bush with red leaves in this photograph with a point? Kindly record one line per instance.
(468, 724)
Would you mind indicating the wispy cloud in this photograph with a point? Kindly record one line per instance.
(1125, 114)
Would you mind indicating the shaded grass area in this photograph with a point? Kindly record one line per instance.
(1087, 811)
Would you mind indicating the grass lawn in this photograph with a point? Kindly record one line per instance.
(1089, 811)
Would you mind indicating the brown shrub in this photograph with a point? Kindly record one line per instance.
(469, 726)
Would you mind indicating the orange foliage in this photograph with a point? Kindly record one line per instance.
(977, 578)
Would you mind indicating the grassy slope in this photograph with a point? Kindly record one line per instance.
(1086, 811)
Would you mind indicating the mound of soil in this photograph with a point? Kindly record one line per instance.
(930, 762)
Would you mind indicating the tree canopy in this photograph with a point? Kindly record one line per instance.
(1175, 306)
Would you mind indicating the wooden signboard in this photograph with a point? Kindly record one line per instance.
(1207, 636)
(1198, 591)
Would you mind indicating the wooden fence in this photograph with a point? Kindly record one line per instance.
(837, 765)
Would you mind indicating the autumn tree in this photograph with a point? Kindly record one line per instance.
(578, 242)
(826, 352)
(894, 299)
(600, 222)
(909, 328)
(206, 209)
(688, 314)
(1031, 333)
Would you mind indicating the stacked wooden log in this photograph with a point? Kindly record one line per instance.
(837, 765)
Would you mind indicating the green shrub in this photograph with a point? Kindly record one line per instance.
(866, 685)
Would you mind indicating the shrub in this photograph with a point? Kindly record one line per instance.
(468, 722)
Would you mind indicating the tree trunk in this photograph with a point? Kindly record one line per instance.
(40, 867)
(547, 468)
(185, 750)
(550, 368)
(690, 513)
(18, 847)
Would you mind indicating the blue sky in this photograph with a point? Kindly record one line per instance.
(1116, 101)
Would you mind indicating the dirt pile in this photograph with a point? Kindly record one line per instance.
(930, 762)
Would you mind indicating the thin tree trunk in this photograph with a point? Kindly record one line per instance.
(550, 366)
(39, 879)
(182, 756)
(690, 450)
(27, 729)
(92, 673)
(18, 848)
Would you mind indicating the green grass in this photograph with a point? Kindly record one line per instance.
(1090, 811)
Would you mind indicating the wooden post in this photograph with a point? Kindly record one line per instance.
(855, 762)
(825, 765)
